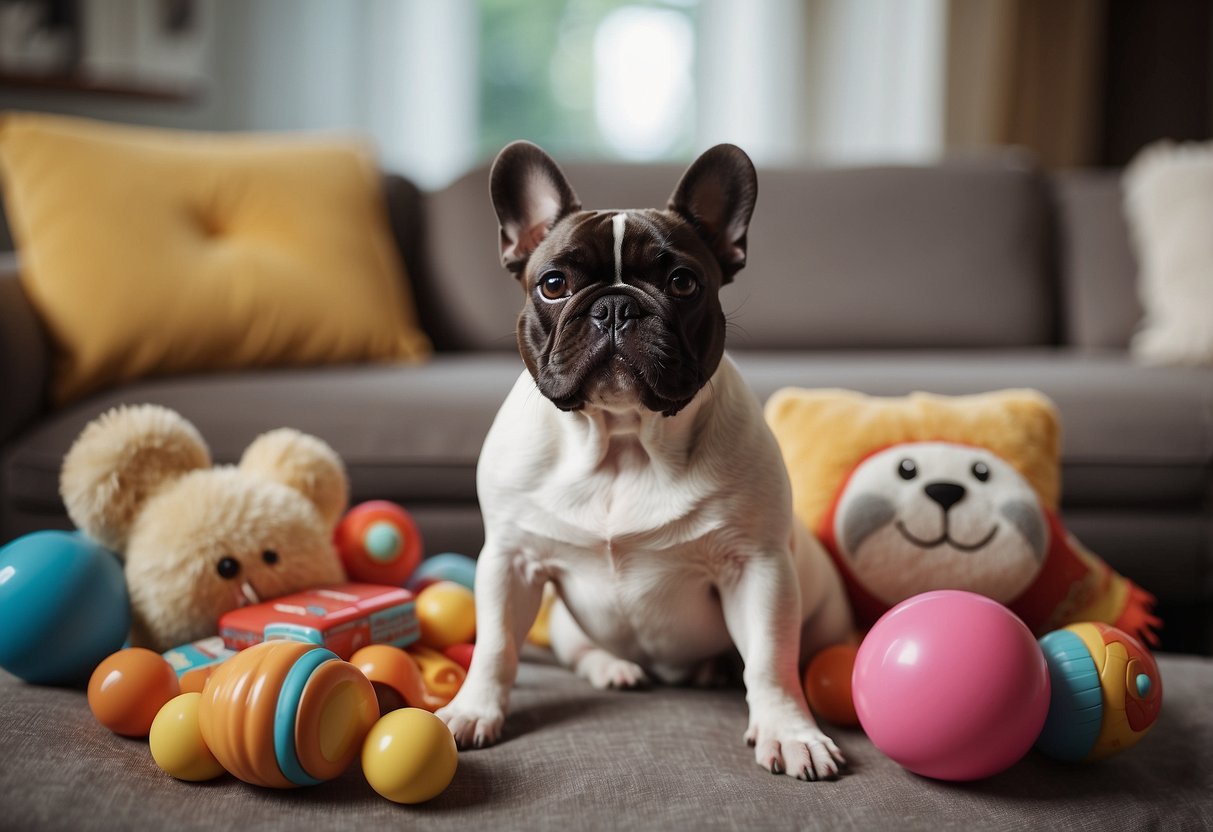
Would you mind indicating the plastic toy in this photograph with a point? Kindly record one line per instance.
(442, 677)
(409, 756)
(446, 612)
(285, 714)
(460, 654)
(541, 631)
(63, 607)
(195, 662)
(827, 684)
(199, 540)
(1106, 692)
(378, 543)
(176, 741)
(448, 566)
(342, 617)
(129, 688)
(397, 678)
(951, 685)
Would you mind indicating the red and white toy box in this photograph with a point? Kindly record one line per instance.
(342, 617)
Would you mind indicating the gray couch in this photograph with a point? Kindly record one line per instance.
(957, 278)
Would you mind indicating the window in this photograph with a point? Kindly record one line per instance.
(589, 77)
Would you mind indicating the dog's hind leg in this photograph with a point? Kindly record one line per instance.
(599, 667)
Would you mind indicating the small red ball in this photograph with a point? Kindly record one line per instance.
(379, 543)
(460, 654)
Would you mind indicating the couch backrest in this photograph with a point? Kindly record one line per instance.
(948, 256)
(1096, 260)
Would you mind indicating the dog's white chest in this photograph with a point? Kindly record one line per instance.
(636, 529)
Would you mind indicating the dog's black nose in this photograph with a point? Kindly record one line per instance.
(612, 312)
(947, 494)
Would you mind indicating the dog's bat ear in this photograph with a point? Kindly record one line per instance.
(717, 195)
(530, 195)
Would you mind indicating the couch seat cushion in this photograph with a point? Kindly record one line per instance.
(576, 758)
(405, 432)
(1131, 436)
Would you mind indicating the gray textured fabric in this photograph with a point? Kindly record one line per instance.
(583, 759)
(1098, 268)
(945, 256)
(24, 354)
(414, 431)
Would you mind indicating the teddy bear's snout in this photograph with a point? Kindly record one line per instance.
(946, 494)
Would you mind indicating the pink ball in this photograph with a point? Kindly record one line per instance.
(951, 685)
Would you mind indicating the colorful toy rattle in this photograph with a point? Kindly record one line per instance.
(285, 714)
(1106, 692)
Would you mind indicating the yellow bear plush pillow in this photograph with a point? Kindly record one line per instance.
(934, 492)
(153, 252)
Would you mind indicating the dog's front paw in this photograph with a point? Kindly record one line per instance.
(472, 727)
(802, 751)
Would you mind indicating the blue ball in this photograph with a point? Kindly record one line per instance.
(63, 607)
(449, 566)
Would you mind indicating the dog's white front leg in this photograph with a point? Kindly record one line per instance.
(761, 603)
(507, 602)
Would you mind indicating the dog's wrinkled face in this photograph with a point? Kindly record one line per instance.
(937, 515)
(622, 306)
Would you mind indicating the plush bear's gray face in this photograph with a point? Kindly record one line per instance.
(937, 515)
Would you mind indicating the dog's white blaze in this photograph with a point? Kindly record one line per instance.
(617, 222)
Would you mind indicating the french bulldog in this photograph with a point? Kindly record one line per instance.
(630, 466)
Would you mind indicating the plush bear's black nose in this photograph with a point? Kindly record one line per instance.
(611, 313)
(947, 494)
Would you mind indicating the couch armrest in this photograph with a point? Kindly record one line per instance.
(25, 359)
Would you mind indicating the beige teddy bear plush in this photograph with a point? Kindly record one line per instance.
(199, 540)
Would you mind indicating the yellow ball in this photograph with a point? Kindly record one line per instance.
(447, 614)
(409, 756)
(176, 741)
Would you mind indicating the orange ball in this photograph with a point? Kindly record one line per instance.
(447, 614)
(827, 684)
(129, 688)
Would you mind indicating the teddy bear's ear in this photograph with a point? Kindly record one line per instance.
(306, 464)
(122, 458)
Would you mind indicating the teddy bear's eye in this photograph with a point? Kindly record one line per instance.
(269, 556)
(981, 471)
(907, 470)
(228, 568)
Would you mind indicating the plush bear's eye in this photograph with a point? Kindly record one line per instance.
(907, 470)
(269, 556)
(228, 568)
(981, 471)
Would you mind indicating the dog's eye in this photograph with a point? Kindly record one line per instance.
(981, 471)
(683, 283)
(269, 556)
(907, 470)
(228, 568)
(553, 285)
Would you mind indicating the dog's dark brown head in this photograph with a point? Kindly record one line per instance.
(622, 306)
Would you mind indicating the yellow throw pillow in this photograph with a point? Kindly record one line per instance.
(154, 252)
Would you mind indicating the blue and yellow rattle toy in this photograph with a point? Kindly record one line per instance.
(1106, 692)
